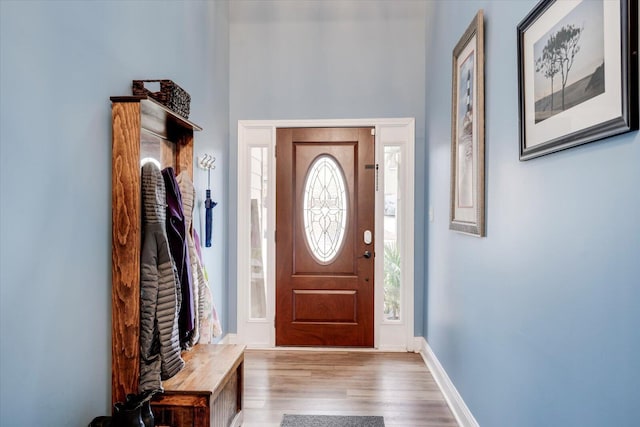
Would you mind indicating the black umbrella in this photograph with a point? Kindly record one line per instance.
(208, 162)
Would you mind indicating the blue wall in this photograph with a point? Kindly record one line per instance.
(59, 63)
(336, 60)
(538, 323)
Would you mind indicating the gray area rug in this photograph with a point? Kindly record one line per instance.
(330, 421)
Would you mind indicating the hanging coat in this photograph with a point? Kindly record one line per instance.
(204, 319)
(159, 293)
(212, 323)
(177, 233)
(187, 193)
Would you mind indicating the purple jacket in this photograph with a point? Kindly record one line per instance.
(177, 232)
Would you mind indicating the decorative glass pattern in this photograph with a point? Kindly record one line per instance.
(325, 208)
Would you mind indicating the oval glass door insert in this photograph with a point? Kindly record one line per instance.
(325, 208)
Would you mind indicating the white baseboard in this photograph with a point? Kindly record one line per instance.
(394, 348)
(229, 339)
(454, 400)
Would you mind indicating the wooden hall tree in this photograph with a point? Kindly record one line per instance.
(136, 123)
(145, 130)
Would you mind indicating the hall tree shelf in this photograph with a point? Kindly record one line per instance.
(208, 390)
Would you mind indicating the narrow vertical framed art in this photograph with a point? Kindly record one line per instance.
(578, 73)
(467, 208)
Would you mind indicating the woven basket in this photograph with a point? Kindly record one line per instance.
(171, 95)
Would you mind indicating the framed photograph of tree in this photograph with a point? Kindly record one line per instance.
(467, 131)
(578, 73)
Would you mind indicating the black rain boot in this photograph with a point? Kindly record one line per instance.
(144, 401)
(124, 416)
(101, 422)
(147, 415)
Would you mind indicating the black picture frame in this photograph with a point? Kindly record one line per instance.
(565, 41)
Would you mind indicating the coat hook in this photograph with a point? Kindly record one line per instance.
(207, 162)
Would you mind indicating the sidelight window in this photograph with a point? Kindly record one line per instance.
(392, 209)
(259, 181)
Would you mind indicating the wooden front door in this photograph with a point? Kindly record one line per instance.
(325, 180)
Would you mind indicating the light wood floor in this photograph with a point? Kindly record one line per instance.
(397, 386)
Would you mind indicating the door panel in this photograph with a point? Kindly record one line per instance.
(324, 306)
(324, 184)
(304, 261)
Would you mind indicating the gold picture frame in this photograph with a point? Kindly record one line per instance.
(467, 213)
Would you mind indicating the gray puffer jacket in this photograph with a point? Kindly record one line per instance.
(159, 289)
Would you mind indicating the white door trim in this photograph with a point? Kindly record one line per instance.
(260, 333)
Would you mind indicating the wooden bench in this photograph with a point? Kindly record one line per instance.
(208, 390)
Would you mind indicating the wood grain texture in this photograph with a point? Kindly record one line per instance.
(325, 306)
(207, 392)
(397, 386)
(131, 115)
(125, 255)
(174, 416)
(184, 153)
(207, 368)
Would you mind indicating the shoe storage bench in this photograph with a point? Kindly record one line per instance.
(207, 392)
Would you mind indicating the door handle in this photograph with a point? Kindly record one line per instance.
(367, 254)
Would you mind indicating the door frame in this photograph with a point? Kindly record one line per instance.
(388, 335)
